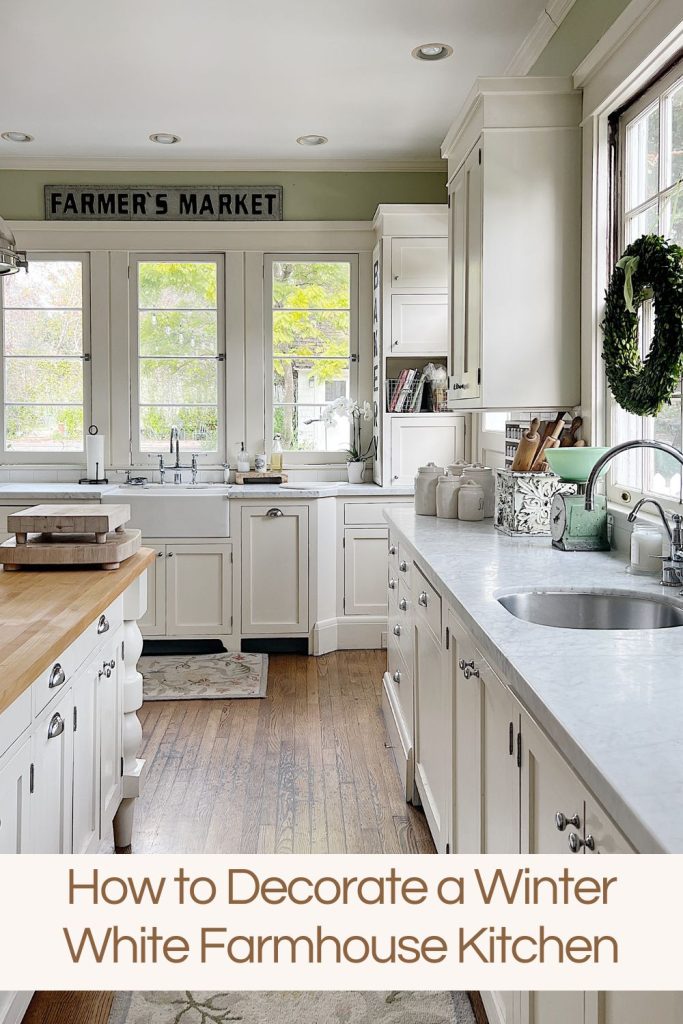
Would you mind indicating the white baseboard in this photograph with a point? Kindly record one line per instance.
(13, 1006)
(350, 633)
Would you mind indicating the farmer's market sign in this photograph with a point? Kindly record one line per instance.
(172, 202)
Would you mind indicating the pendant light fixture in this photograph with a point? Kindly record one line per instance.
(11, 260)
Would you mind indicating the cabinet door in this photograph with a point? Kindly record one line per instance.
(199, 589)
(419, 262)
(416, 438)
(14, 801)
(153, 622)
(365, 557)
(419, 325)
(634, 1007)
(52, 757)
(549, 789)
(466, 237)
(552, 1008)
(500, 774)
(433, 739)
(110, 724)
(466, 832)
(86, 784)
(602, 835)
(275, 570)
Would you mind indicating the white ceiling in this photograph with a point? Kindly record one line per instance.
(239, 81)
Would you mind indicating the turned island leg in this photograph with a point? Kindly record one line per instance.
(134, 605)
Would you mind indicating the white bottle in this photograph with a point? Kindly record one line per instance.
(243, 461)
(483, 475)
(447, 496)
(471, 501)
(425, 489)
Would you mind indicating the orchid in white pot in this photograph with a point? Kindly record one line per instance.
(348, 408)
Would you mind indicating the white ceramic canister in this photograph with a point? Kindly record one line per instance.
(483, 475)
(457, 468)
(260, 462)
(425, 489)
(447, 496)
(470, 501)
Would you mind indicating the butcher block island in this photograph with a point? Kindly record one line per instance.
(69, 696)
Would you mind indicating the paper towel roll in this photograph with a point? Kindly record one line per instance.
(94, 456)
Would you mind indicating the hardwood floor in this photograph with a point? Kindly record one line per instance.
(303, 770)
(69, 1008)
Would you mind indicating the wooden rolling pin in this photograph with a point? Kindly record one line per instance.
(568, 439)
(526, 449)
(539, 462)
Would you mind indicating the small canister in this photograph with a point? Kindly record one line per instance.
(447, 496)
(483, 475)
(425, 489)
(260, 462)
(457, 468)
(646, 550)
(471, 501)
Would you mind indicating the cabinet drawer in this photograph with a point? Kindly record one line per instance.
(405, 565)
(364, 513)
(400, 672)
(392, 552)
(14, 720)
(400, 625)
(427, 603)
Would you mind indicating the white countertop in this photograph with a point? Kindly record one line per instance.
(319, 489)
(11, 494)
(611, 700)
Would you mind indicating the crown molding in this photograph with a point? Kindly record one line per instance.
(544, 28)
(24, 163)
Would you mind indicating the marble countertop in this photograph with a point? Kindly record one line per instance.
(318, 489)
(13, 493)
(611, 700)
(10, 494)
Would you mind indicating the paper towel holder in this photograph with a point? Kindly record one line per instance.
(92, 430)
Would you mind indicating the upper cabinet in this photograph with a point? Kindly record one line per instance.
(419, 262)
(514, 193)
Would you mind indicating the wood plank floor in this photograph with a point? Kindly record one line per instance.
(303, 770)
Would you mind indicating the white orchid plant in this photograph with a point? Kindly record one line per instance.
(347, 408)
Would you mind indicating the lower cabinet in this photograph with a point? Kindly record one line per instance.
(274, 567)
(189, 590)
(52, 757)
(14, 801)
(86, 802)
(365, 556)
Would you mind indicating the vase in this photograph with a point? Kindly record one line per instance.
(355, 471)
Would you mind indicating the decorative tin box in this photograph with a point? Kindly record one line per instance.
(523, 502)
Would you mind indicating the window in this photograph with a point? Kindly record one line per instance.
(178, 334)
(312, 323)
(45, 333)
(650, 136)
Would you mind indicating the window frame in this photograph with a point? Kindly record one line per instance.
(624, 494)
(318, 457)
(45, 458)
(205, 459)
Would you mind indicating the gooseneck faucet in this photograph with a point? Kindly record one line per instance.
(625, 446)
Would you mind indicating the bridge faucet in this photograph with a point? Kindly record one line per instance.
(672, 564)
(175, 436)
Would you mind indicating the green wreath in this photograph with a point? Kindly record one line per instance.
(649, 268)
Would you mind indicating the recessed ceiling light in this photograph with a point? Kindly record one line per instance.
(17, 137)
(312, 140)
(164, 138)
(432, 51)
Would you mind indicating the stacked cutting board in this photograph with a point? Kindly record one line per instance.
(68, 535)
(530, 454)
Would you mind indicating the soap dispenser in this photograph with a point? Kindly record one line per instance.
(243, 460)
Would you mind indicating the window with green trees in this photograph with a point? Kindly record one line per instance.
(313, 324)
(180, 354)
(44, 327)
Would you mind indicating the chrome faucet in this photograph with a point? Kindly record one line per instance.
(175, 436)
(194, 467)
(672, 565)
(162, 469)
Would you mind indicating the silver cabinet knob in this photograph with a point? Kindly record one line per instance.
(392, 584)
(56, 726)
(392, 549)
(422, 599)
(462, 664)
(397, 676)
(469, 672)
(169, 554)
(403, 566)
(160, 554)
(57, 676)
(102, 625)
(403, 604)
(397, 630)
(561, 821)
(576, 843)
(110, 664)
(274, 513)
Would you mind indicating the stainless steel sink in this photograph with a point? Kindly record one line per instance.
(571, 609)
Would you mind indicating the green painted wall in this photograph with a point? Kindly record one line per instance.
(587, 21)
(308, 195)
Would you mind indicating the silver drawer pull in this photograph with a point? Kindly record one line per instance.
(109, 664)
(469, 672)
(576, 843)
(397, 676)
(422, 599)
(274, 513)
(403, 604)
(397, 630)
(462, 664)
(102, 625)
(561, 821)
(392, 584)
(56, 726)
(392, 549)
(57, 676)
(403, 566)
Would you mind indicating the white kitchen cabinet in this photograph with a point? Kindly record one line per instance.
(365, 555)
(15, 774)
(86, 740)
(419, 262)
(189, 590)
(466, 828)
(110, 673)
(275, 570)
(500, 779)
(419, 325)
(52, 777)
(605, 836)
(514, 183)
(420, 438)
(634, 1007)
(551, 1007)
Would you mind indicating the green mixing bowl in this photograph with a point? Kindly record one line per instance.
(574, 464)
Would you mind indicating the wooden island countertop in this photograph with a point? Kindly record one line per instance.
(42, 612)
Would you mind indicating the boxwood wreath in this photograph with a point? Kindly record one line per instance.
(649, 268)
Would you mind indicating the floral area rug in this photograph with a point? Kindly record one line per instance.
(289, 1007)
(204, 676)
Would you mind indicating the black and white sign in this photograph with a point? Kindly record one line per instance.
(172, 202)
